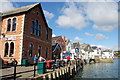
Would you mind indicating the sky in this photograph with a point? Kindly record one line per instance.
(95, 23)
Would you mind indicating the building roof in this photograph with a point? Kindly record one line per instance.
(54, 47)
(23, 10)
(107, 50)
(19, 10)
(54, 39)
(84, 45)
(94, 47)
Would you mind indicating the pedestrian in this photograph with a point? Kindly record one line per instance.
(35, 59)
(41, 59)
(81, 63)
(68, 60)
(10, 62)
(15, 62)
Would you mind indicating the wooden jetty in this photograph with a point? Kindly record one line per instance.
(64, 73)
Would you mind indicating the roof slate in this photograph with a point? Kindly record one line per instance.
(19, 10)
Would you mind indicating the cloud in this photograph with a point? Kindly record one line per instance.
(53, 35)
(101, 37)
(78, 39)
(98, 37)
(88, 34)
(6, 5)
(106, 28)
(71, 16)
(48, 15)
(104, 15)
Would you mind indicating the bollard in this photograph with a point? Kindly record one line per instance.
(15, 72)
(34, 69)
(68, 72)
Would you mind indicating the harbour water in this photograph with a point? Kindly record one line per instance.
(100, 70)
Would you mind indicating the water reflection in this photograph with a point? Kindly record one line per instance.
(99, 70)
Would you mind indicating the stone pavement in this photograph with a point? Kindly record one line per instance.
(22, 72)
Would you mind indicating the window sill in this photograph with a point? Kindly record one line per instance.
(8, 57)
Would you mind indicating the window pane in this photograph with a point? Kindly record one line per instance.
(8, 25)
(39, 30)
(46, 53)
(6, 50)
(32, 27)
(39, 50)
(11, 49)
(31, 50)
(47, 34)
(36, 28)
(14, 24)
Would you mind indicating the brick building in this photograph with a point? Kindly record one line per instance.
(25, 33)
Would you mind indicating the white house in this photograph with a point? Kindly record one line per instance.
(68, 45)
(85, 51)
(96, 52)
(107, 54)
(75, 50)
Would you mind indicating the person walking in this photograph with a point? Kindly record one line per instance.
(68, 60)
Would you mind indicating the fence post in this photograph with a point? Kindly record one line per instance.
(15, 72)
(34, 69)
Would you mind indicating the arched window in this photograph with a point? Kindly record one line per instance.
(33, 27)
(14, 24)
(11, 49)
(31, 50)
(39, 50)
(6, 50)
(8, 24)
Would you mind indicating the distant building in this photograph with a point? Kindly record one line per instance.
(96, 51)
(60, 40)
(75, 49)
(25, 33)
(107, 54)
(68, 45)
(56, 51)
(85, 51)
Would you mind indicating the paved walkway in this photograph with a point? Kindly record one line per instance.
(22, 72)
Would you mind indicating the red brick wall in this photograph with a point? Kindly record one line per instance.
(30, 16)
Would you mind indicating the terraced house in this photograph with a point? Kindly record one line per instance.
(25, 33)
